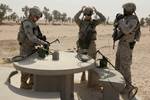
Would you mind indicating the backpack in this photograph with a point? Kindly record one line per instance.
(21, 35)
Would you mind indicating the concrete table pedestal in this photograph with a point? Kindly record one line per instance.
(63, 83)
(111, 80)
(54, 76)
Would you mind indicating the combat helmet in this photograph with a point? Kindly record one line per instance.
(129, 7)
(88, 11)
(35, 11)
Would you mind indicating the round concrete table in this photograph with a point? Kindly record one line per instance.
(52, 75)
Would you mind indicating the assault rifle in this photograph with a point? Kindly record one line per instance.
(133, 91)
(103, 61)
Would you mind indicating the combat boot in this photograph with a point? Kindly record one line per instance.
(25, 86)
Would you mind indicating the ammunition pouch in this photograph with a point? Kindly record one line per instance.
(21, 37)
(132, 44)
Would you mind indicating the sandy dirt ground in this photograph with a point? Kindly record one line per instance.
(68, 35)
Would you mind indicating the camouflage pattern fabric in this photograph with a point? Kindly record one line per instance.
(124, 51)
(83, 27)
(27, 38)
(35, 11)
(130, 7)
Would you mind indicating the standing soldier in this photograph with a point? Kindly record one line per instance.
(28, 38)
(129, 32)
(87, 32)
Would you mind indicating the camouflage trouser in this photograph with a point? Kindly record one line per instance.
(91, 53)
(124, 61)
(92, 50)
(26, 80)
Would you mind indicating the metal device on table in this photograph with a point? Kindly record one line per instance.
(83, 56)
(44, 50)
(55, 55)
(103, 64)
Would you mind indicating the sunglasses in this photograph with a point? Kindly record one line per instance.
(87, 14)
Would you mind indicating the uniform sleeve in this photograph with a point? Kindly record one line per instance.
(77, 19)
(101, 18)
(127, 28)
(28, 28)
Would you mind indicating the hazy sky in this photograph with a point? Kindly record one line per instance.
(71, 7)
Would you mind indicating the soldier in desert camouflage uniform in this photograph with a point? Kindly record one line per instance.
(87, 32)
(28, 40)
(129, 26)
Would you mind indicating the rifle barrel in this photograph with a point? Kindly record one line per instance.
(55, 41)
(98, 51)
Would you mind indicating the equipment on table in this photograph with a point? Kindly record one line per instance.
(43, 51)
(55, 55)
(83, 56)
